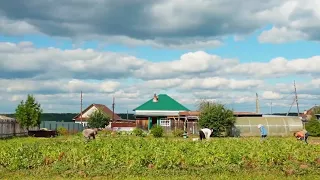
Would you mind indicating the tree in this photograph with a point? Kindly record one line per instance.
(98, 119)
(216, 116)
(313, 127)
(28, 113)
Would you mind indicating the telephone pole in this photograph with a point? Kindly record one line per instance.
(257, 104)
(81, 107)
(271, 107)
(113, 109)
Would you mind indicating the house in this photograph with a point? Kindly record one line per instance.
(307, 114)
(92, 108)
(161, 110)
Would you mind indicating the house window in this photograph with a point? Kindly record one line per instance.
(165, 122)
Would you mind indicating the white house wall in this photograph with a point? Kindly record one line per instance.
(89, 112)
(157, 113)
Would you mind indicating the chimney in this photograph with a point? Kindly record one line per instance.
(155, 98)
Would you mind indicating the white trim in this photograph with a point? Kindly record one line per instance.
(157, 113)
(165, 122)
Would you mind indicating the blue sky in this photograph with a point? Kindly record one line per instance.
(189, 50)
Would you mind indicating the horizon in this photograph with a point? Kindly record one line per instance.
(191, 50)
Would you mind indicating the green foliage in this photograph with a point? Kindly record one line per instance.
(62, 131)
(28, 113)
(72, 155)
(178, 133)
(313, 127)
(138, 132)
(216, 116)
(98, 119)
(157, 131)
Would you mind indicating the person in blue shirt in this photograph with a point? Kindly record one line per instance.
(263, 131)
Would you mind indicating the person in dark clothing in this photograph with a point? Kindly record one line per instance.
(201, 134)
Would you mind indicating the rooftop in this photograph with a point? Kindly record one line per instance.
(162, 102)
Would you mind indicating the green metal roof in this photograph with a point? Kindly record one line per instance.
(165, 103)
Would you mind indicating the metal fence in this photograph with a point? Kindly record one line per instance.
(70, 126)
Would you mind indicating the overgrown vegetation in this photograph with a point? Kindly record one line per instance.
(62, 131)
(28, 113)
(313, 127)
(138, 132)
(72, 157)
(98, 119)
(216, 116)
(178, 133)
(157, 131)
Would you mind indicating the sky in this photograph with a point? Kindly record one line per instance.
(223, 51)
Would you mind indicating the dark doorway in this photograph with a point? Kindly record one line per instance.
(154, 121)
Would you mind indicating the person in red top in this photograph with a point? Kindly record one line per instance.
(302, 135)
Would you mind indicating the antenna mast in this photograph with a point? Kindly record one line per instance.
(113, 109)
(257, 104)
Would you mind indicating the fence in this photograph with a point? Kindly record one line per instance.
(11, 127)
(70, 126)
(190, 127)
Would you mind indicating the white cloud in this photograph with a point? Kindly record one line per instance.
(102, 75)
(271, 95)
(163, 24)
(281, 35)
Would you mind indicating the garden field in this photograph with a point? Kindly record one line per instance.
(129, 157)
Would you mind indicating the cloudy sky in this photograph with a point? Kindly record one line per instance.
(221, 50)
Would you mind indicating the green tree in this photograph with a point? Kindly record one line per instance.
(313, 127)
(98, 119)
(28, 113)
(216, 116)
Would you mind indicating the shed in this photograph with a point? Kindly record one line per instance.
(276, 126)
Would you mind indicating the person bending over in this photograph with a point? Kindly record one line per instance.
(302, 135)
(263, 131)
(205, 133)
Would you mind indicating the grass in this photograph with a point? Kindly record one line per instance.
(129, 157)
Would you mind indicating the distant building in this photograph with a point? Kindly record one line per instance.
(92, 108)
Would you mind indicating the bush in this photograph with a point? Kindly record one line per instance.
(62, 131)
(157, 131)
(313, 127)
(138, 132)
(106, 132)
(178, 133)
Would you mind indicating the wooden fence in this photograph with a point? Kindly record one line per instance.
(10, 128)
(191, 127)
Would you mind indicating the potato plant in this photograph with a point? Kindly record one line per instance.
(138, 154)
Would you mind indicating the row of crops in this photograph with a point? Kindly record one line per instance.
(133, 153)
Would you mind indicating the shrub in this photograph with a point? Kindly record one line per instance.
(157, 131)
(106, 132)
(62, 131)
(138, 132)
(313, 127)
(178, 133)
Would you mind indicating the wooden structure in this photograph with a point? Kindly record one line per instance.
(9, 127)
(162, 110)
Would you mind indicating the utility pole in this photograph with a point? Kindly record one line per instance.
(271, 107)
(81, 108)
(257, 104)
(127, 115)
(296, 95)
(113, 110)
